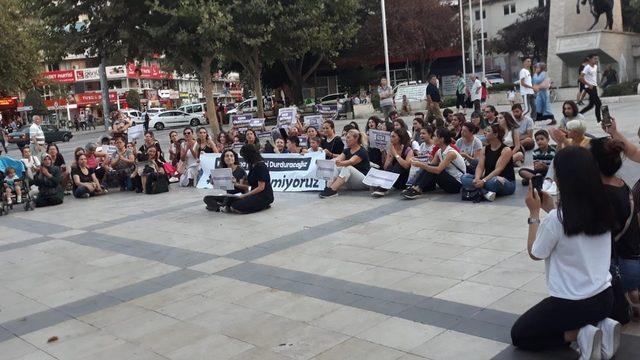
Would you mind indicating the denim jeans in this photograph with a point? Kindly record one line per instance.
(497, 184)
(630, 273)
(80, 191)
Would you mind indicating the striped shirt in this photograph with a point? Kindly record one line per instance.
(36, 131)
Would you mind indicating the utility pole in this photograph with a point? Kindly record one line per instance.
(386, 45)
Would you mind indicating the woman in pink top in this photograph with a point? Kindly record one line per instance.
(95, 159)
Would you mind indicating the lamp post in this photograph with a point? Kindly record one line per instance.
(384, 39)
(482, 39)
(472, 54)
(464, 63)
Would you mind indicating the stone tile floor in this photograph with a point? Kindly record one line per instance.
(128, 276)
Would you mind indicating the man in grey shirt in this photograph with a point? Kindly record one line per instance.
(526, 127)
(386, 97)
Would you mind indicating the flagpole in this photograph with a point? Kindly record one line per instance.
(386, 45)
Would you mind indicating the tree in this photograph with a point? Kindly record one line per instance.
(19, 63)
(133, 99)
(528, 35)
(34, 99)
(631, 15)
(313, 31)
(99, 28)
(190, 34)
(418, 28)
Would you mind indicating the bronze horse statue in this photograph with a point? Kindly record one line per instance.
(599, 7)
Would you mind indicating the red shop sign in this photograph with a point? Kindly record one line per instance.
(91, 98)
(62, 76)
(146, 72)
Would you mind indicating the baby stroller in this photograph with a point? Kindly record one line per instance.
(21, 172)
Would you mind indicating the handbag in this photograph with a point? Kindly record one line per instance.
(474, 195)
(621, 310)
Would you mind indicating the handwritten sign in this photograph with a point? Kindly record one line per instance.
(304, 141)
(327, 111)
(136, 132)
(264, 136)
(256, 124)
(241, 122)
(313, 120)
(287, 116)
(413, 171)
(326, 170)
(380, 178)
(222, 178)
(379, 139)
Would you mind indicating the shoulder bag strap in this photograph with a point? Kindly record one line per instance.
(630, 218)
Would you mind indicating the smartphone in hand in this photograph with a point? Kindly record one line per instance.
(606, 116)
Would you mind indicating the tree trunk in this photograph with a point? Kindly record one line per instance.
(207, 86)
(257, 81)
(104, 90)
(294, 70)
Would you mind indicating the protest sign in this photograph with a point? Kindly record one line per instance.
(380, 178)
(256, 124)
(413, 171)
(241, 122)
(222, 178)
(288, 172)
(110, 150)
(136, 132)
(264, 136)
(379, 139)
(313, 120)
(326, 169)
(287, 116)
(304, 141)
(327, 111)
(237, 146)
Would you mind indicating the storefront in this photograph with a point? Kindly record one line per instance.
(8, 109)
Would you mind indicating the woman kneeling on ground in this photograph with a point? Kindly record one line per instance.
(494, 173)
(574, 240)
(353, 165)
(261, 195)
(398, 161)
(446, 169)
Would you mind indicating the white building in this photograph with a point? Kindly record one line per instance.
(496, 15)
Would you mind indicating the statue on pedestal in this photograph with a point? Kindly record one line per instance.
(597, 8)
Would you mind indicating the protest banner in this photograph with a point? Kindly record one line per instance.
(313, 120)
(241, 122)
(289, 172)
(326, 169)
(136, 132)
(222, 178)
(380, 178)
(379, 139)
(110, 150)
(413, 171)
(327, 111)
(287, 116)
(256, 124)
(264, 136)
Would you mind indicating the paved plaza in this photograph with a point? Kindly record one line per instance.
(128, 276)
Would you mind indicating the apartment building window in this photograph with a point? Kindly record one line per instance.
(509, 9)
(484, 14)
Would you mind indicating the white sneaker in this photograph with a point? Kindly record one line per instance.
(610, 337)
(18, 199)
(550, 187)
(173, 179)
(490, 196)
(590, 343)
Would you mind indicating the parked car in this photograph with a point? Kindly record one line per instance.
(197, 109)
(135, 115)
(51, 134)
(153, 111)
(171, 118)
(249, 106)
(333, 99)
(494, 79)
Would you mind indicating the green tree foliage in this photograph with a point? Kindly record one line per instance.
(133, 99)
(34, 99)
(631, 15)
(528, 35)
(19, 46)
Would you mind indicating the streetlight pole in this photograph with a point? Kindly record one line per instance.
(464, 62)
(386, 44)
(472, 54)
(482, 39)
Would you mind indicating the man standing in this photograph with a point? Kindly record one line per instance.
(460, 92)
(91, 121)
(433, 101)
(527, 89)
(36, 135)
(525, 127)
(476, 92)
(589, 77)
(146, 122)
(386, 97)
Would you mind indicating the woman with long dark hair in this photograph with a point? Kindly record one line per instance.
(398, 160)
(252, 139)
(259, 198)
(574, 240)
(230, 160)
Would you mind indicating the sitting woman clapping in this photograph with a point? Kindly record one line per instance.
(353, 165)
(445, 170)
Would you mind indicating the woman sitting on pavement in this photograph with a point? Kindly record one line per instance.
(190, 156)
(416, 140)
(456, 125)
(375, 155)
(398, 161)
(470, 146)
(353, 165)
(261, 195)
(575, 242)
(85, 182)
(96, 161)
(230, 160)
(122, 165)
(49, 182)
(153, 177)
(427, 134)
(626, 235)
(149, 142)
(512, 136)
(31, 162)
(494, 174)
(445, 170)
(224, 141)
(480, 124)
(58, 160)
(205, 143)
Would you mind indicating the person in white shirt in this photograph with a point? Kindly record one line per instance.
(574, 240)
(476, 92)
(527, 89)
(386, 97)
(589, 77)
(36, 135)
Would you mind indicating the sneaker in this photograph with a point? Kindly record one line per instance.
(552, 122)
(610, 337)
(379, 192)
(173, 179)
(490, 196)
(86, 196)
(525, 182)
(590, 342)
(18, 200)
(327, 193)
(411, 193)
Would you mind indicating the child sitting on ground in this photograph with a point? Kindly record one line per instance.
(12, 184)
(314, 145)
(542, 157)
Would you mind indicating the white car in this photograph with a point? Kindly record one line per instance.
(333, 99)
(196, 109)
(133, 114)
(249, 106)
(172, 118)
(153, 111)
(494, 79)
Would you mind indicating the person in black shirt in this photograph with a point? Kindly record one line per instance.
(353, 165)
(433, 101)
(261, 195)
(230, 160)
(332, 144)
